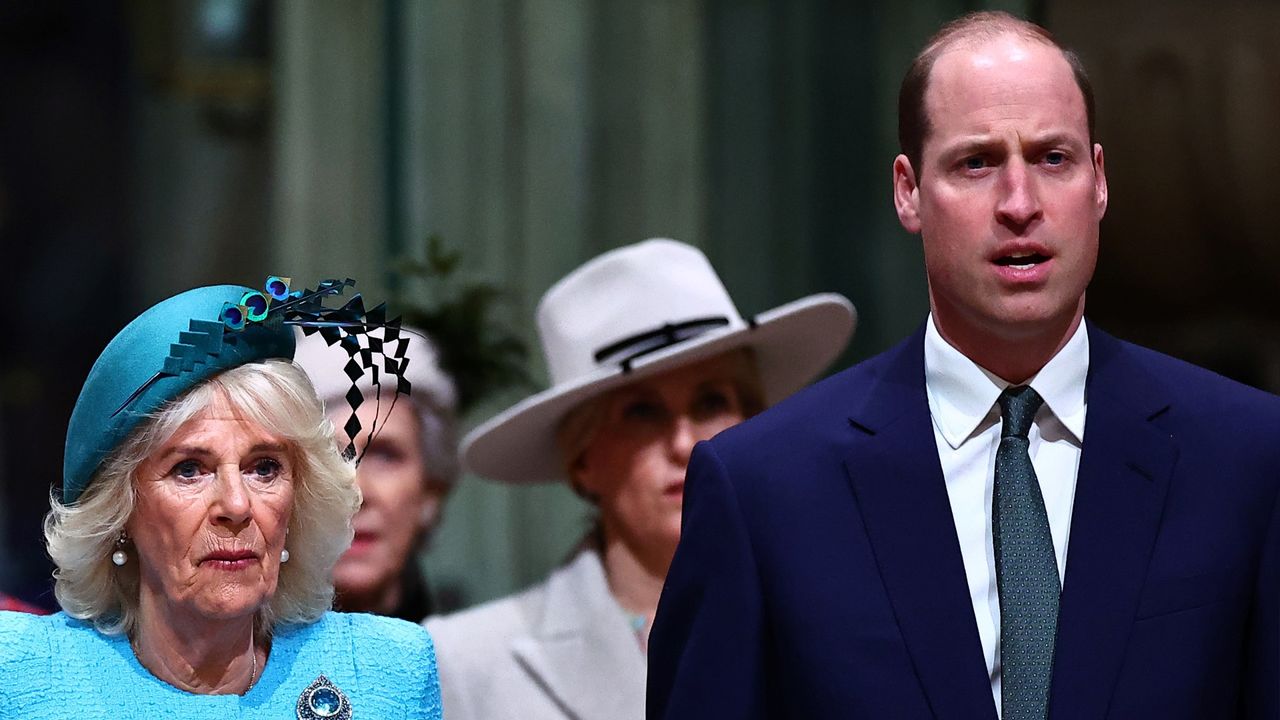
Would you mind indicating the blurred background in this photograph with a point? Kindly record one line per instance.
(147, 147)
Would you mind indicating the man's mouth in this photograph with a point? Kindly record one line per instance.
(1021, 260)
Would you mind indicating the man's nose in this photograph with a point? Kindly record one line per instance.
(231, 505)
(1019, 203)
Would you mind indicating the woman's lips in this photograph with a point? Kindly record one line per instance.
(363, 540)
(230, 560)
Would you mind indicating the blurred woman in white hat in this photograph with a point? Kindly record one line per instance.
(647, 356)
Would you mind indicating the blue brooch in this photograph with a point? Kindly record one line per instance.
(322, 700)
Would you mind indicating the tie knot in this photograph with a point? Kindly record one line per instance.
(1018, 406)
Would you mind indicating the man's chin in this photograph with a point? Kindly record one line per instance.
(1031, 316)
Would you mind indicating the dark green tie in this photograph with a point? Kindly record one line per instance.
(1026, 568)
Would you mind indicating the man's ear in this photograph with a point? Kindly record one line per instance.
(906, 194)
(1099, 181)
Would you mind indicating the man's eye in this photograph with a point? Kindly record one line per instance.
(187, 470)
(1055, 158)
(975, 163)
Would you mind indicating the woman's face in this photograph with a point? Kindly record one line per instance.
(636, 461)
(212, 513)
(397, 504)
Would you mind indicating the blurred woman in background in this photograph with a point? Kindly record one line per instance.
(405, 476)
(647, 356)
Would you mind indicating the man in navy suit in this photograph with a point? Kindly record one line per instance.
(1011, 514)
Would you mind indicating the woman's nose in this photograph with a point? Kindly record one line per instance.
(231, 505)
(684, 435)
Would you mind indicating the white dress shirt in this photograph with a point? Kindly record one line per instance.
(966, 426)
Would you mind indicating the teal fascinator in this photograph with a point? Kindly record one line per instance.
(190, 337)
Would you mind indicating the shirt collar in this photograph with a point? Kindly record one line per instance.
(1061, 382)
(962, 394)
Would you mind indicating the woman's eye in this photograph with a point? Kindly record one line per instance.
(187, 470)
(266, 469)
(642, 410)
(384, 452)
(712, 402)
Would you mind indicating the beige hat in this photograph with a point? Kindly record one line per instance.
(632, 313)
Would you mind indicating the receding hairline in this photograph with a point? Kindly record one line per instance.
(970, 31)
(980, 35)
(974, 44)
(982, 27)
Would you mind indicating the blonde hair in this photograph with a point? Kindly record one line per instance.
(276, 394)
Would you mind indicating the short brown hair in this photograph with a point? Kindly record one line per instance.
(913, 117)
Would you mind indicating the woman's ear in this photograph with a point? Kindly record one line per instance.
(432, 502)
(581, 480)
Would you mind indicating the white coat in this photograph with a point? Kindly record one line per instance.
(560, 650)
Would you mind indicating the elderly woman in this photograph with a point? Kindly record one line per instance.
(648, 356)
(203, 508)
(405, 476)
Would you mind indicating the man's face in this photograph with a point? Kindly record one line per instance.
(1009, 193)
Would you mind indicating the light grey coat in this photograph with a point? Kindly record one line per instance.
(562, 649)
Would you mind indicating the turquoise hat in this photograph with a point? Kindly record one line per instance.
(164, 352)
(190, 337)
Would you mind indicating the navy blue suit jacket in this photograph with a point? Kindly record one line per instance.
(819, 574)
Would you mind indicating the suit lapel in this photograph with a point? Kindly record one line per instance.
(581, 651)
(1125, 467)
(901, 494)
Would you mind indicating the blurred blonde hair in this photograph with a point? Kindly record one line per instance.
(277, 395)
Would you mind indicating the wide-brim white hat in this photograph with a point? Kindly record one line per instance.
(632, 313)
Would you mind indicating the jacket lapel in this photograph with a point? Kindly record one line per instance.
(1125, 467)
(581, 651)
(901, 494)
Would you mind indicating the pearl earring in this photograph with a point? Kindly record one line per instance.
(119, 557)
(284, 555)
